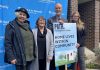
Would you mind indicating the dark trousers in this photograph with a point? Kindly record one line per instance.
(52, 65)
(42, 64)
(73, 66)
(81, 60)
(27, 67)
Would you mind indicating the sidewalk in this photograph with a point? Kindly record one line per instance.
(92, 69)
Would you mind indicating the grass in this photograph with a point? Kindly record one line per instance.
(92, 66)
(63, 62)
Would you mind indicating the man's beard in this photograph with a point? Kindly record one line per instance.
(58, 13)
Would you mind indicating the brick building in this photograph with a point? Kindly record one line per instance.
(90, 15)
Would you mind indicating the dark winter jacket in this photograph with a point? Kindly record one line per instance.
(14, 45)
(81, 37)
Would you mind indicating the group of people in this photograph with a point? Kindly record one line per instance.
(33, 49)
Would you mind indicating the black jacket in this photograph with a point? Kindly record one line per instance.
(51, 21)
(14, 46)
(81, 37)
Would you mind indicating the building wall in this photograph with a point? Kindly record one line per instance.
(97, 22)
(72, 7)
(87, 12)
(90, 15)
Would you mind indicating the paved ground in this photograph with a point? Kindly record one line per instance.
(92, 69)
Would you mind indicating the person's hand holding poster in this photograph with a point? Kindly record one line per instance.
(65, 40)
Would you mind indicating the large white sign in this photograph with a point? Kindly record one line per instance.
(65, 40)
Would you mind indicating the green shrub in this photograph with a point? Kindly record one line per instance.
(92, 66)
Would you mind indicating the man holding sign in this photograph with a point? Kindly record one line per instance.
(59, 19)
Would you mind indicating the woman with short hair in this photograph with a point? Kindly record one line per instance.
(44, 43)
(19, 41)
